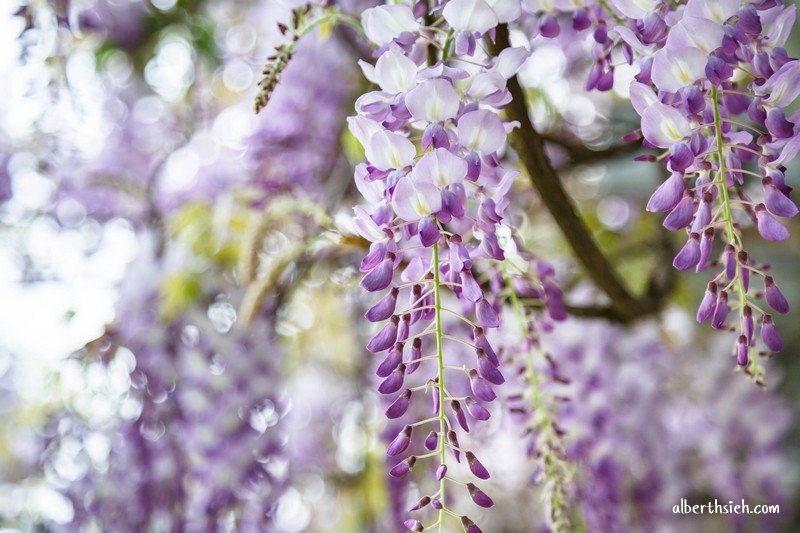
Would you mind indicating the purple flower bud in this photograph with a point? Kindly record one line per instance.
(436, 136)
(777, 124)
(741, 351)
(476, 410)
(414, 358)
(653, 28)
(394, 382)
(379, 277)
(681, 157)
(749, 21)
(383, 308)
(385, 338)
(423, 502)
(770, 335)
(441, 472)
(689, 256)
(399, 406)
(420, 9)
(681, 215)
(756, 112)
(428, 232)
(436, 503)
(744, 272)
(728, 259)
(747, 324)
(469, 526)
(720, 311)
(480, 387)
(454, 197)
(377, 251)
(478, 496)
(464, 43)
(768, 227)
(667, 195)
(776, 202)
(403, 328)
(718, 70)
(400, 442)
(403, 468)
(476, 467)
(455, 405)
(703, 217)
(432, 440)
(774, 296)
(581, 20)
(486, 314)
(452, 438)
(473, 166)
(413, 525)
(694, 102)
(391, 361)
(488, 370)
(706, 308)
(469, 287)
(548, 26)
(482, 342)
(600, 33)
(706, 243)
(435, 396)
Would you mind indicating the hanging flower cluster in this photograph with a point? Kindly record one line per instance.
(713, 84)
(435, 197)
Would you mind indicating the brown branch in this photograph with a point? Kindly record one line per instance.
(529, 145)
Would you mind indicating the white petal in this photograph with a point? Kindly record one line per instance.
(663, 125)
(481, 131)
(383, 23)
(470, 15)
(395, 73)
(635, 9)
(510, 61)
(717, 10)
(433, 101)
(387, 150)
(506, 10)
(696, 32)
(677, 67)
(440, 167)
(412, 201)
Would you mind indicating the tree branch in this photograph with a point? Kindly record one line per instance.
(529, 145)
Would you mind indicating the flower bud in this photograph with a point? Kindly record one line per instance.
(768, 227)
(414, 359)
(476, 466)
(455, 405)
(747, 324)
(399, 406)
(394, 382)
(414, 525)
(480, 387)
(487, 370)
(741, 351)
(486, 314)
(774, 297)
(385, 338)
(744, 272)
(432, 440)
(400, 442)
(478, 496)
(720, 311)
(441, 472)
(476, 410)
(383, 308)
(391, 361)
(423, 502)
(770, 335)
(452, 438)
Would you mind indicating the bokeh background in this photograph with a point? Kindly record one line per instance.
(181, 342)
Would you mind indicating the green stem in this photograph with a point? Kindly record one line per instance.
(730, 231)
(440, 363)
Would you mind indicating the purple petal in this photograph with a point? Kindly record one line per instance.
(689, 256)
(428, 232)
(681, 216)
(770, 335)
(776, 202)
(432, 440)
(385, 338)
(400, 442)
(768, 226)
(470, 288)
(460, 416)
(383, 308)
(706, 308)
(774, 297)
(486, 314)
(399, 406)
(480, 387)
(729, 260)
(476, 466)
(720, 311)
(394, 382)
(476, 410)
(479, 497)
(667, 195)
(390, 362)
(488, 370)
(403, 468)
(379, 277)
(741, 351)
